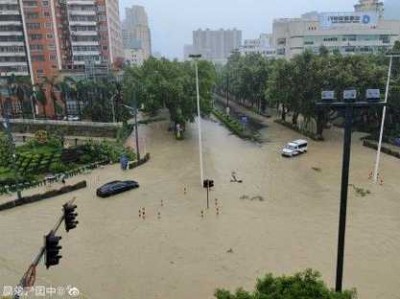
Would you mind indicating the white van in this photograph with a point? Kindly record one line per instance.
(295, 148)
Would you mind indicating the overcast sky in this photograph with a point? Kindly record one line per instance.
(172, 21)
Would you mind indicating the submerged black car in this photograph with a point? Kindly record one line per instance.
(116, 187)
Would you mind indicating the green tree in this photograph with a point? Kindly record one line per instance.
(304, 285)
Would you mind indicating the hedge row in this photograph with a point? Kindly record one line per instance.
(293, 127)
(68, 174)
(384, 149)
(140, 162)
(234, 126)
(39, 197)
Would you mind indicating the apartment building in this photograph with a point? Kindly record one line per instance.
(63, 35)
(216, 45)
(136, 31)
(13, 58)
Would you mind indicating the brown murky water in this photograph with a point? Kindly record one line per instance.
(115, 254)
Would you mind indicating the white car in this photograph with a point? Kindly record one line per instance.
(295, 148)
(71, 118)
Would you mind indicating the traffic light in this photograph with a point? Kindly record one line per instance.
(208, 183)
(69, 216)
(52, 250)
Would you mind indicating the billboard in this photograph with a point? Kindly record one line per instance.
(337, 19)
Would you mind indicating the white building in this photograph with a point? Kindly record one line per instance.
(216, 45)
(348, 32)
(13, 58)
(136, 31)
(134, 56)
(261, 45)
(85, 41)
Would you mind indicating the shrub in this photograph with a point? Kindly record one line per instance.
(57, 167)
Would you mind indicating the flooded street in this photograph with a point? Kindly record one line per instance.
(115, 254)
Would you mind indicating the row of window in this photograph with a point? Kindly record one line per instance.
(38, 36)
(12, 49)
(6, 28)
(38, 25)
(10, 7)
(12, 59)
(8, 18)
(85, 48)
(14, 69)
(34, 3)
(11, 38)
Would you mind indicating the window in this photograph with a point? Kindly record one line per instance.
(39, 58)
(32, 15)
(33, 25)
(45, 3)
(49, 36)
(36, 36)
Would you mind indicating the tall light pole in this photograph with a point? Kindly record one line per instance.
(349, 103)
(378, 153)
(195, 57)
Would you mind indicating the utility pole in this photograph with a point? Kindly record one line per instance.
(195, 57)
(378, 153)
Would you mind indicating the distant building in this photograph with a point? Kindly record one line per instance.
(136, 31)
(363, 31)
(261, 45)
(134, 56)
(216, 45)
(370, 5)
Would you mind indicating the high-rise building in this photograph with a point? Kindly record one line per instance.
(13, 58)
(216, 45)
(43, 38)
(136, 31)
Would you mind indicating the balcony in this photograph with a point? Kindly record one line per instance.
(10, 33)
(13, 43)
(7, 23)
(84, 33)
(13, 63)
(82, 12)
(9, 12)
(9, 74)
(85, 43)
(86, 53)
(12, 54)
(83, 23)
(81, 2)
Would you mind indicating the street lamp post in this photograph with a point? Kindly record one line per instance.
(378, 153)
(349, 104)
(195, 57)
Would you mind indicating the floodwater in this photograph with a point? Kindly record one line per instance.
(174, 253)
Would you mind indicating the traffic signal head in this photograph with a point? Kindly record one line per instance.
(205, 183)
(52, 249)
(70, 216)
(208, 183)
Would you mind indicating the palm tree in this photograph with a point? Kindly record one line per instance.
(40, 96)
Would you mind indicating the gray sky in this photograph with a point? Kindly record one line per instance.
(172, 21)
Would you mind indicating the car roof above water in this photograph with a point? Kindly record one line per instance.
(300, 141)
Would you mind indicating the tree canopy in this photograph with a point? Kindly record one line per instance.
(304, 285)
